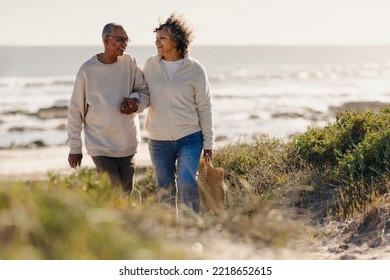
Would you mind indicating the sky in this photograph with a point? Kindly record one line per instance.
(215, 22)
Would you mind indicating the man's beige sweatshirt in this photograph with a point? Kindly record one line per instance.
(181, 105)
(95, 104)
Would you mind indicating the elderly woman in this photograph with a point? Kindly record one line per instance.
(179, 121)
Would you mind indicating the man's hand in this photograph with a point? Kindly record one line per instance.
(75, 160)
(129, 106)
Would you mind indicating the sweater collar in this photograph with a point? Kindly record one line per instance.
(187, 58)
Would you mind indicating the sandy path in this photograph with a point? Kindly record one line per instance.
(35, 163)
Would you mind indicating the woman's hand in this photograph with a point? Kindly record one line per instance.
(207, 155)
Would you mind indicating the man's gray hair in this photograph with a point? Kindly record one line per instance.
(107, 30)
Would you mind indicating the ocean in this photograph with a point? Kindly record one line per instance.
(272, 90)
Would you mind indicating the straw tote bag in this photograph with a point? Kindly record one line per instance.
(212, 188)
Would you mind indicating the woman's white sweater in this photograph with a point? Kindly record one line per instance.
(181, 105)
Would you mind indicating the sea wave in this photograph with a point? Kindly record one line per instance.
(241, 74)
(35, 82)
(304, 72)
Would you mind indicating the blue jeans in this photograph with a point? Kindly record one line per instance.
(179, 157)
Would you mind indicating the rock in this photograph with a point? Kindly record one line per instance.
(287, 115)
(17, 112)
(37, 144)
(348, 257)
(221, 138)
(53, 112)
(360, 106)
(254, 117)
(23, 129)
(62, 126)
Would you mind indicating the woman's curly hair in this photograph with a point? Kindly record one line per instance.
(180, 30)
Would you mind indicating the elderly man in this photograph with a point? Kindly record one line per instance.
(108, 93)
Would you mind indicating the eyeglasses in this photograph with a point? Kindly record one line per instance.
(120, 39)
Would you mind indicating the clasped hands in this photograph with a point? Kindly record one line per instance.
(129, 105)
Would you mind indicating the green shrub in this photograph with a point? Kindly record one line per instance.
(370, 158)
(355, 147)
(351, 155)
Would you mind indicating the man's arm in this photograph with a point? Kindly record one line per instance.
(76, 113)
(140, 90)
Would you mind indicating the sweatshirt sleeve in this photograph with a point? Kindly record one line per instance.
(76, 114)
(204, 107)
(140, 88)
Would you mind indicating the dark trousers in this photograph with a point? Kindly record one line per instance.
(120, 170)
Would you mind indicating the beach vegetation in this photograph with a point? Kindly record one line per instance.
(351, 155)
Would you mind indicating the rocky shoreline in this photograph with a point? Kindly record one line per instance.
(59, 112)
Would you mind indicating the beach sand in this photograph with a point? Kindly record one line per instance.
(35, 163)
